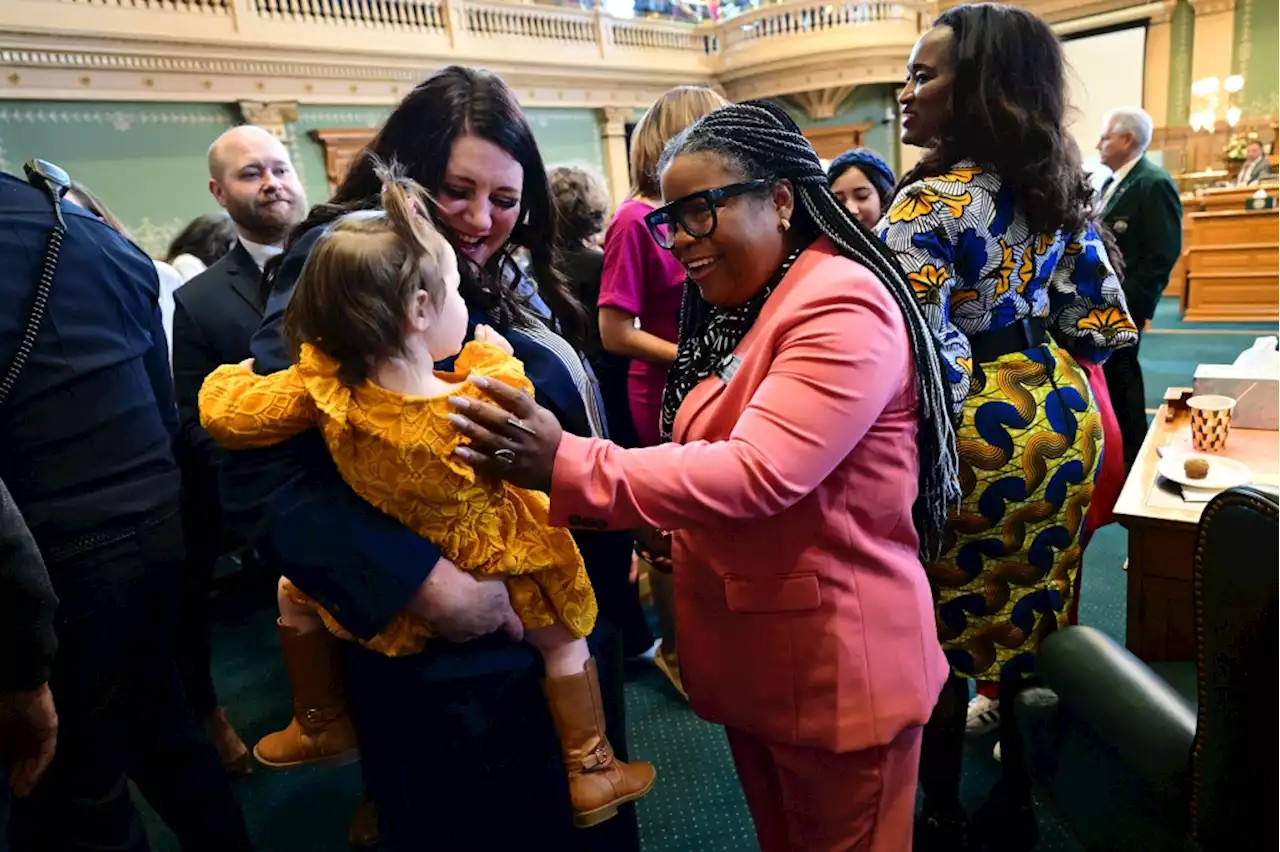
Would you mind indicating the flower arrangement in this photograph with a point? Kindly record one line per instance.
(1234, 150)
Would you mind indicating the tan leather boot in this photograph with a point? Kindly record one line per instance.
(321, 731)
(598, 781)
(666, 659)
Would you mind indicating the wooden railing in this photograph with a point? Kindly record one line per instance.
(806, 19)
(407, 15)
(458, 21)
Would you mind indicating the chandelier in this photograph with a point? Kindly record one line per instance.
(1208, 96)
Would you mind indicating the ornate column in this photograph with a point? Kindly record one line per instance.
(613, 135)
(822, 103)
(273, 117)
(1155, 74)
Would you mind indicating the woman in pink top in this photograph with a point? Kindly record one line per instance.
(640, 281)
(811, 465)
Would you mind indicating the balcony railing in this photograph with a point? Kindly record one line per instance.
(469, 30)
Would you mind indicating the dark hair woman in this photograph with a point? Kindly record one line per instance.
(863, 183)
(436, 727)
(477, 157)
(994, 230)
(201, 244)
(795, 467)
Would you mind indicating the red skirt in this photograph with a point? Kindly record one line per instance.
(1110, 478)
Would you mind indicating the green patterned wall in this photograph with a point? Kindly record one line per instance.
(1183, 26)
(1256, 55)
(147, 160)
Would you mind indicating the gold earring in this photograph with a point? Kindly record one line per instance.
(784, 226)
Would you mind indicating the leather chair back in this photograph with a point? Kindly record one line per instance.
(1235, 590)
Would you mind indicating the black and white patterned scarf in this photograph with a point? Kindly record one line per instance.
(708, 336)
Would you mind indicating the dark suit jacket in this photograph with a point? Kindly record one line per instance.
(1253, 172)
(214, 317)
(1145, 215)
(291, 503)
(86, 436)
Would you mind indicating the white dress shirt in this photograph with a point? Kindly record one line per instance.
(260, 253)
(1117, 178)
(170, 280)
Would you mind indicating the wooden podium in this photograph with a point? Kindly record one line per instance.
(1231, 266)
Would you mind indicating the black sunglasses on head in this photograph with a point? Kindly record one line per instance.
(696, 212)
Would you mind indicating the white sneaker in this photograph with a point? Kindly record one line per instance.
(995, 752)
(984, 715)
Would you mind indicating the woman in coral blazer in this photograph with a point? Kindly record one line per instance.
(811, 419)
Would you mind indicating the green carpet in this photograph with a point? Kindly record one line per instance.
(697, 805)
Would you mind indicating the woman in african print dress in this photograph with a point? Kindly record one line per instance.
(994, 231)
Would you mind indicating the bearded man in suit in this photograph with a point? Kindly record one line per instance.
(216, 313)
(1140, 204)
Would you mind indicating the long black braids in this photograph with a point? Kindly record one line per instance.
(762, 142)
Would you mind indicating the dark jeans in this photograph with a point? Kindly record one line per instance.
(942, 751)
(1128, 399)
(205, 542)
(472, 764)
(121, 708)
(192, 649)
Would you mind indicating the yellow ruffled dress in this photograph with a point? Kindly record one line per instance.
(396, 452)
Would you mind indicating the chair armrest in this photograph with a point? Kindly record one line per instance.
(1126, 705)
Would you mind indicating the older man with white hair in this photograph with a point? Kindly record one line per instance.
(1140, 204)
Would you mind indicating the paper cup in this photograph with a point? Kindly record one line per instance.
(1210, 421)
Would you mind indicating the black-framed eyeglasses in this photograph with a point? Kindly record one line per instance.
(696, 212)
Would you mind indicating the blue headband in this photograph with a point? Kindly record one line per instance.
(870, 164)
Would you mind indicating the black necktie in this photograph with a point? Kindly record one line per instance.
(1106, 184)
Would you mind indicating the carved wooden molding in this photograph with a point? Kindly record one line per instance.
(1164, 16)
(273, 118)
(860, 69)
(830, 142)
(821, 103)
(614, 120)
(1212, 7)
(49, 68)
(342, 145)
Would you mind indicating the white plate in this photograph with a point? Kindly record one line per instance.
(1224, 473)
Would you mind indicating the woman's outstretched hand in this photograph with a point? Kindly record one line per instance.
(517, 442)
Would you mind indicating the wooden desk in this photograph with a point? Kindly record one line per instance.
(1232, 258)
(1162, 537)
(1230, 197)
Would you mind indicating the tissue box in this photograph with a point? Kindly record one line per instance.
(1259, 409)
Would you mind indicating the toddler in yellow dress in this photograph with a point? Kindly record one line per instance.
(376, 306)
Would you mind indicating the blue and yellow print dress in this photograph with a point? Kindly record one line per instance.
(1030, 438)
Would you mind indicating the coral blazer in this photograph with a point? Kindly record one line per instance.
(803, 610)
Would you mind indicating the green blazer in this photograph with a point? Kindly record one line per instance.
(1145, 215)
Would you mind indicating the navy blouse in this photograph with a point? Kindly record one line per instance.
(360, 564)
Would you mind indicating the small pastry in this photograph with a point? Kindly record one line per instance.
(1196, 468)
